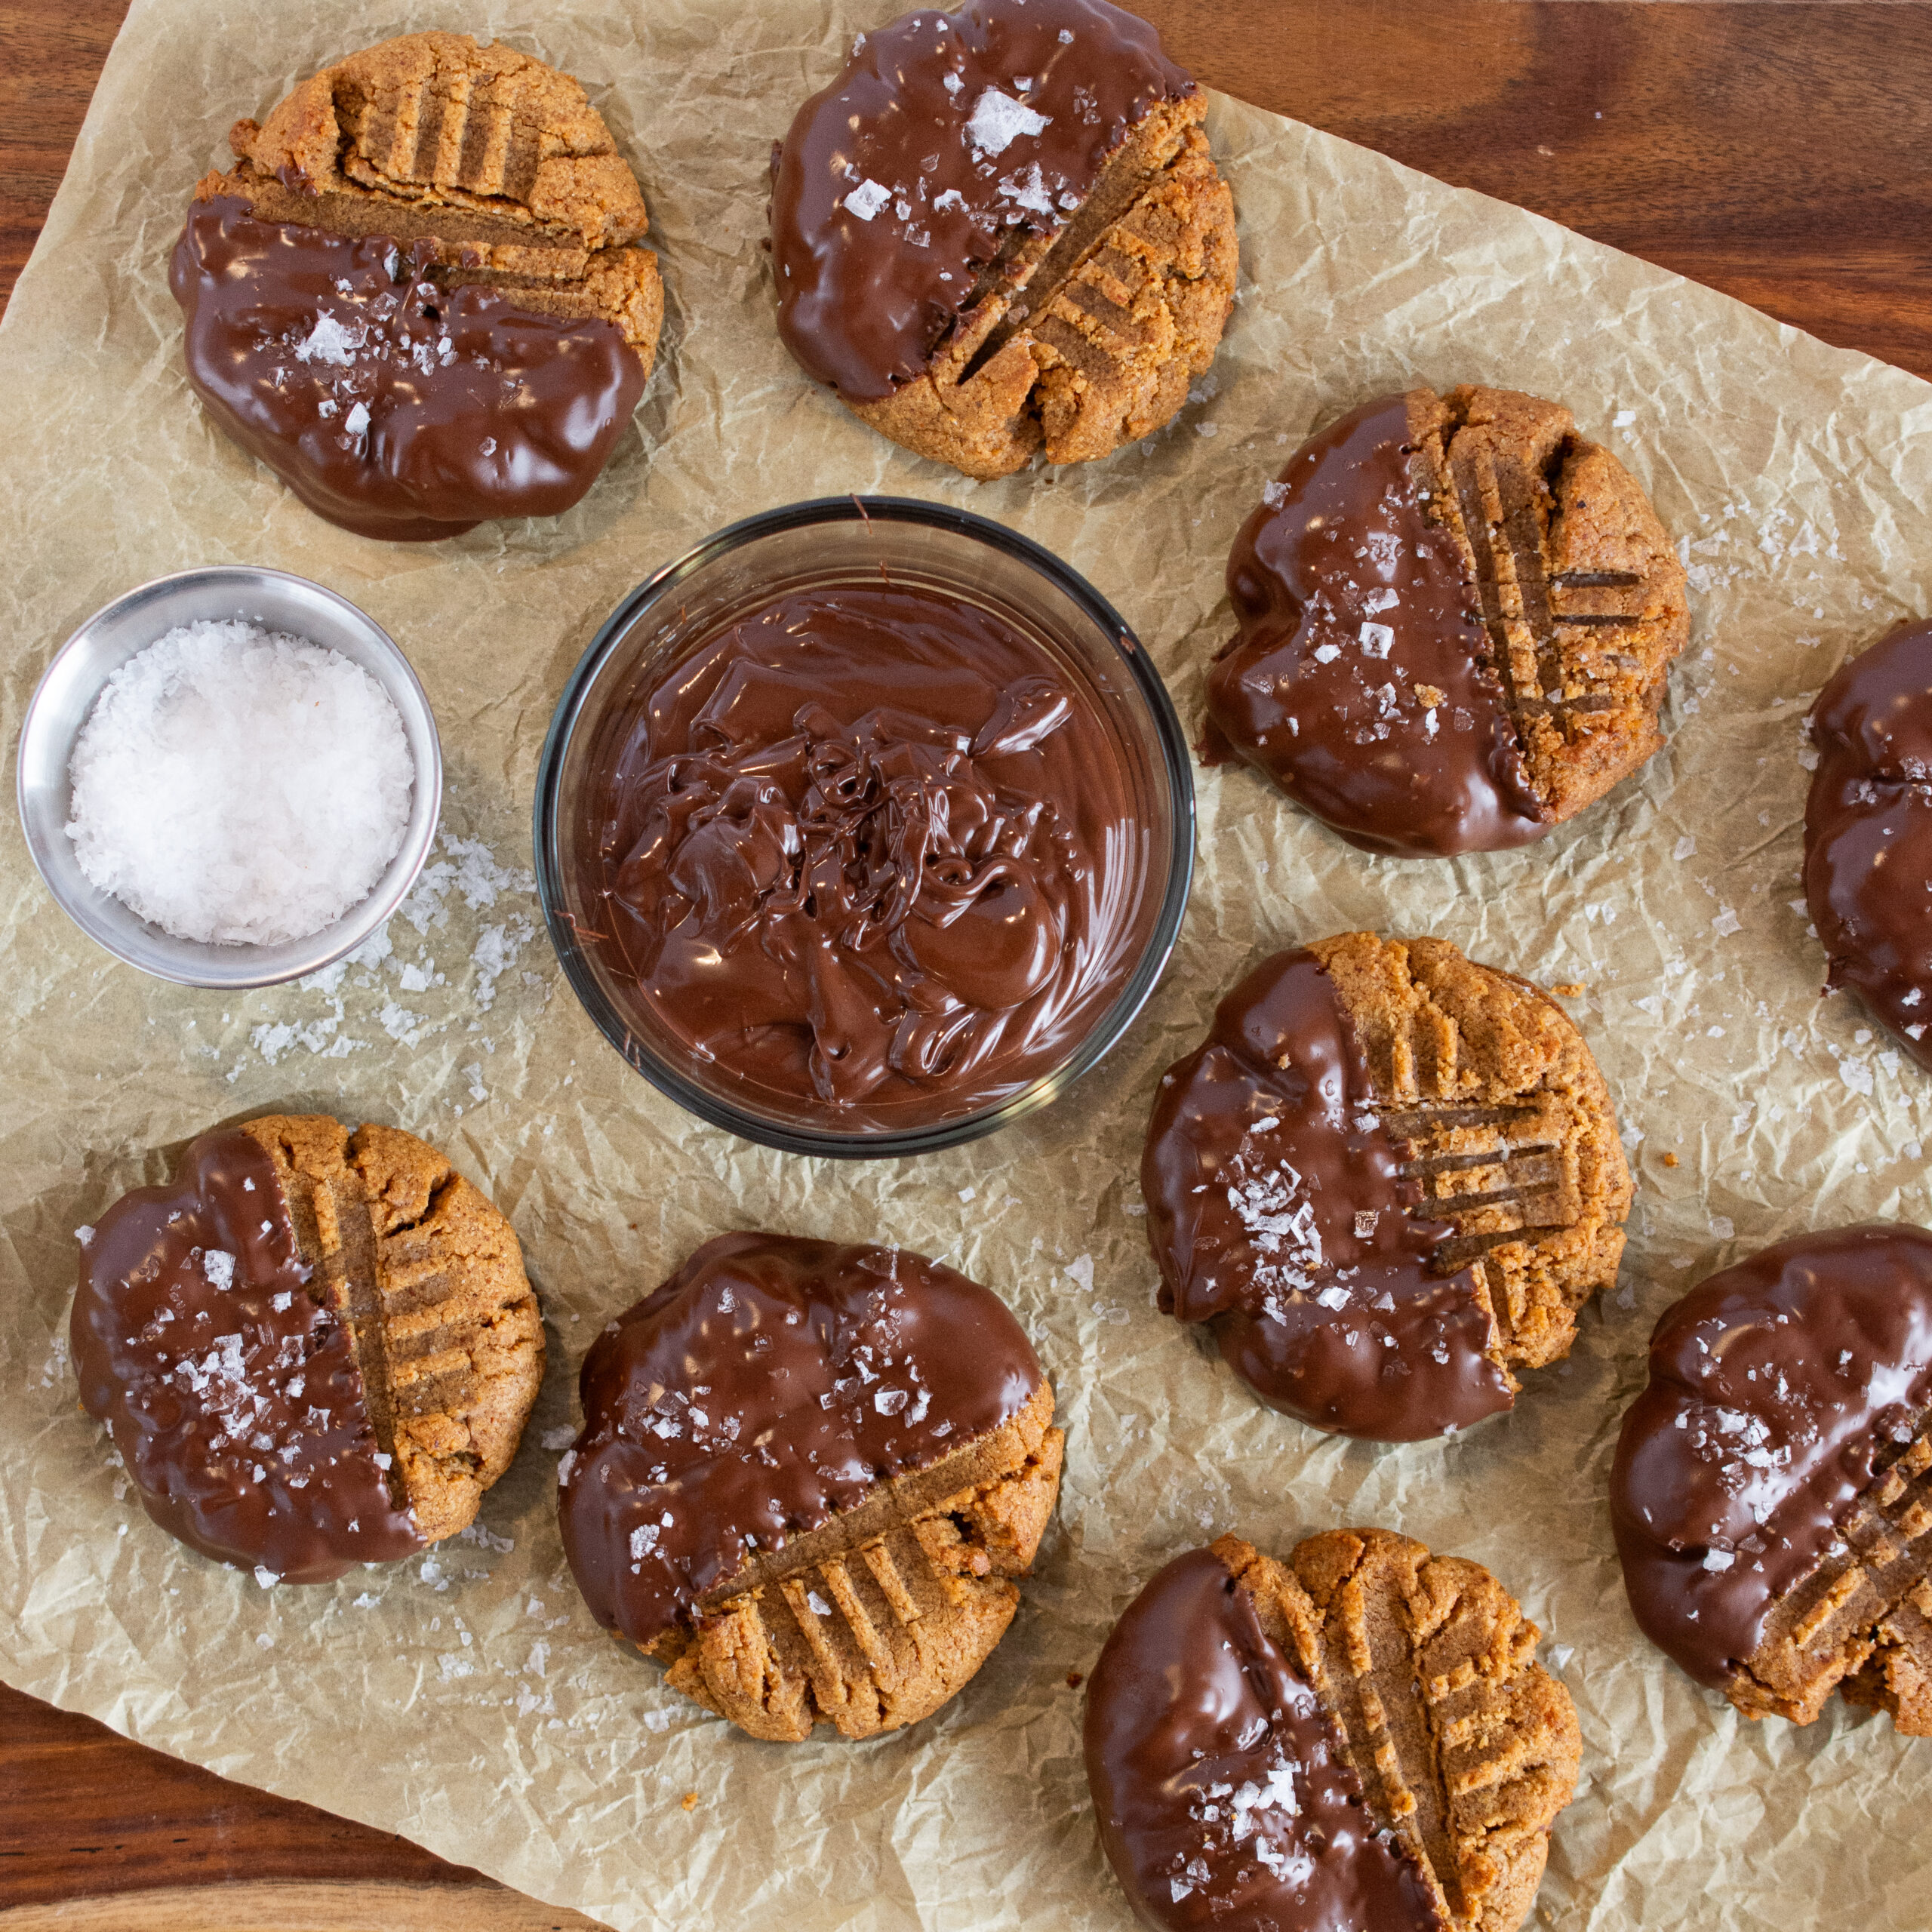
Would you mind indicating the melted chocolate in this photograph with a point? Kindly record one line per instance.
(869, 850)
(391, 406)
(1773, 1385)
(1868, 831)
(1223, 1795)
(902, 184)
(1277, 1212)
(235, 1400)
(1358, 678)
(771, 1384)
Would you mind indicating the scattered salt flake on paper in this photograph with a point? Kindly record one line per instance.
(560, 1438)
(1726, 923)
(1684, 847)
(266, 1577)
(1080, 1272)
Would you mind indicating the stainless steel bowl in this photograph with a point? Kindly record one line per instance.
(66, 695)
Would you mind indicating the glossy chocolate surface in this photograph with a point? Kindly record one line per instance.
(1277, 1213)
(1222, 1795)
(871, 852)
(235, 1399)
(1358, 678)
(948, 138)
(390, 406)
(770, 1385)
(1773, 1385)
(1868, 831)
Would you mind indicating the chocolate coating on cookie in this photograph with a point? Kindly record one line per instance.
(903, 185)
(235, 1399)
(1223, 1792)
(1778, 1388)
(390, 405)
(1359, 679)
(1278, 1212)
(1868, 831)
(770, 1385)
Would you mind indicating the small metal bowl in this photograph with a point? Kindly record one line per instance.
(66, 695)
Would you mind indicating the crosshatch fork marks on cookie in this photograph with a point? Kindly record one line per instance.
(871, 1633)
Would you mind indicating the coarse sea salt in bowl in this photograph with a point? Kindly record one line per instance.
(290, 608)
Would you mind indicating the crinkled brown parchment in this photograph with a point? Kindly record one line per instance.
(466, 1698)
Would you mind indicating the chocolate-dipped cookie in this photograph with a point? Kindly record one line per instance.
(1000, 231)
(415, 296)
(1361, 1737)
(1867, 832)
(1772, 1491)
(312, 1349)
(1389, 1176)
(806, 1475)
(1455, 616)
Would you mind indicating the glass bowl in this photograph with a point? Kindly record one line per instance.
(850, 541)
(65, 695)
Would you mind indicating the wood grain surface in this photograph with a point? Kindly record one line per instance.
(1781, 153)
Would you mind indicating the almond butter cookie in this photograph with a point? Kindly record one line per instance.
(1361, 1737)
(1455, 615)
(807, 1477)
(1389, 1177)
(999, 232)
(312, 1349)
(1867, 832)
(1772, 1492)
(416, 296)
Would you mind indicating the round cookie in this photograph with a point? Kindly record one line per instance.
(1454, 619)
(1000, 232)
(1388, 1178)
(312, 1349)
(1361, 1737)
(806, 1475)
(1772, 1491)
(1867, 832)
(414, 297)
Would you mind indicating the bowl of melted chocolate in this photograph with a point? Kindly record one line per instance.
(864, 829)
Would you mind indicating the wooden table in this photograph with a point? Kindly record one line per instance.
(1776, 151)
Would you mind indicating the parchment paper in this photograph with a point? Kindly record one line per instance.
(466, 1698)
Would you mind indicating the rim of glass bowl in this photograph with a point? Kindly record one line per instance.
(890, 1142)
(116, 928)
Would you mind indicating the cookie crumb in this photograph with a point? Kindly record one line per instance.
(1074, 1680)
(1670, 1160)
(689, 1801)
(1571, 989)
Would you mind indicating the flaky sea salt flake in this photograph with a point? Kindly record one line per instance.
(997, 120)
